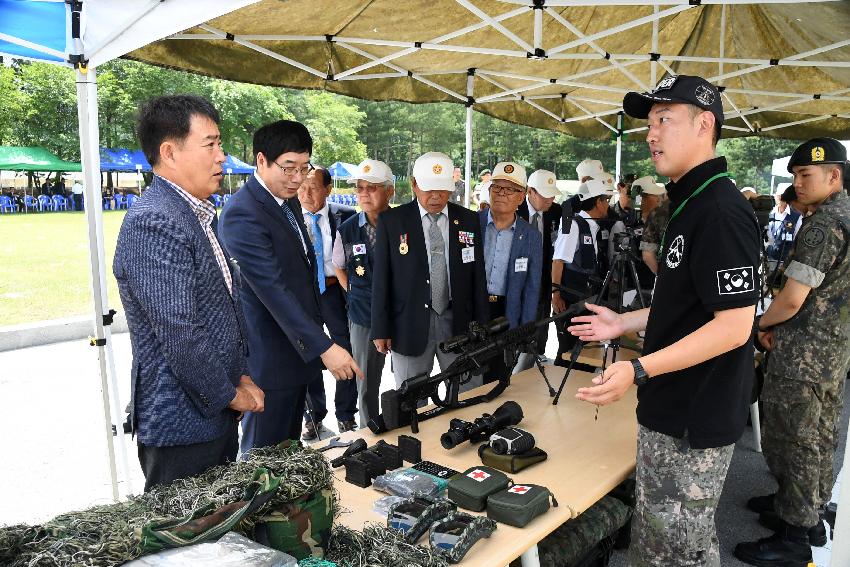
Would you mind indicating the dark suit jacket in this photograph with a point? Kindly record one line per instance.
(188, 351)
(401, 291)
(522, 292)
(551, 221)
(280, 296)
(338, 214)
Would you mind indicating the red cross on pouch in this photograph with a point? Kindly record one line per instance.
(520, 489)
(478, 475)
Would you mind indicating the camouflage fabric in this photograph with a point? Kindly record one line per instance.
(300, 528)
(654, 227)
(572, 540)
(806, 370)
(480, 527)
(677, 493)
(438, 510)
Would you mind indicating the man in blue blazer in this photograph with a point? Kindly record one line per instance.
(189, 379)
(513, 255)
(263, 229)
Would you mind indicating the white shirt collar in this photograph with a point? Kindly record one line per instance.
(277, 199)
(531, 209)
(324, 211)
(423, 212)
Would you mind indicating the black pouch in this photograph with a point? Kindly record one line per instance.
(511, 463)
(519, 504)
(471, 488)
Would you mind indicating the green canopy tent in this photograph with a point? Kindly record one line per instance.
(13, 158)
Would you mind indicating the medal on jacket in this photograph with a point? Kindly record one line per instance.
(360, 270)
(402, 247)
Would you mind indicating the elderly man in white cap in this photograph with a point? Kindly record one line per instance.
(428, 279)
(353, 260)
(580, 254)
(544, 214)
(512, 256)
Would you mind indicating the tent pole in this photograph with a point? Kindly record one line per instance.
(467, 168)
(89, 142)
(619, 143)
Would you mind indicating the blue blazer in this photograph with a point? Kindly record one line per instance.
(188, 350)
(523, 287)
(279, 292)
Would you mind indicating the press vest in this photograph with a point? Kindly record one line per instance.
(586, 260)
(783, 236)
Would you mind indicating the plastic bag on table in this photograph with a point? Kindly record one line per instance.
(382, 505)
(231, 550)
(406, 482)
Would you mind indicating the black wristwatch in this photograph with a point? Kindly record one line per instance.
(641, 377)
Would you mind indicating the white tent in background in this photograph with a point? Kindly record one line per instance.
(780, 167)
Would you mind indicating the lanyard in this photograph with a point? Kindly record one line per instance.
(682, 206)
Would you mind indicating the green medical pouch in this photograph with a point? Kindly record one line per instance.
(511, 463)
(519, 504)
(471, 488)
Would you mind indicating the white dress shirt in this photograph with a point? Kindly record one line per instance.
(327, 239)
(567, 244)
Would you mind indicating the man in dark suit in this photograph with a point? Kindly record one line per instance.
(322, 220)
(262, 228)
(189, 380)
(513, 253)
(544, 214)
(429, 272)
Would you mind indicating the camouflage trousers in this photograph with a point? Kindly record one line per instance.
(799, 440)
(677, 493)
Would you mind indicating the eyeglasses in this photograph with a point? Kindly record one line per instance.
(290, 171)
(371, 188)
(503, 190)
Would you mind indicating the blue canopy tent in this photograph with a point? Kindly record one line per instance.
(119, 160)
(341, 170)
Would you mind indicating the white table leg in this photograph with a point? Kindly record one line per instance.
(754, 419)
(530, 558)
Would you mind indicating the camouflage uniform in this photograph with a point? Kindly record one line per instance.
(677, 493)
(655, 223)
(804, 386)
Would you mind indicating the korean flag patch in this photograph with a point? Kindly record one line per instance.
(735, 280)
(587, 239)
(359, 249)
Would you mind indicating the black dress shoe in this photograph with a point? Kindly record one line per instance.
(786, 548)
(759, 504)
(817, 533)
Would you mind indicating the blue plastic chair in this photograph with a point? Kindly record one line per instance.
(60, 203)
(107, 204)
(31, 203)
(217, 200)
(7, 205)
(120, 201)
(44, 203)
(131, 199)
(226, 199)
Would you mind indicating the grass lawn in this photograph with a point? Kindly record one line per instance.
(44, 265)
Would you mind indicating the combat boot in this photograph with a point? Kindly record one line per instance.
(759, 504)
(817, 533)
(788, 547)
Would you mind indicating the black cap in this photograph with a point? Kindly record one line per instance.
(818, 151)
(672, 88)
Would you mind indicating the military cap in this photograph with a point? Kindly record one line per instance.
(818, 151)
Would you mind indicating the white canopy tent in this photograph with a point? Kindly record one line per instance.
(101, 30)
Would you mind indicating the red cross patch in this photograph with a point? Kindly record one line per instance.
(478, 475)
(519, 489)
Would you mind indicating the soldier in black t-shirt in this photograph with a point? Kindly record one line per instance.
(694, 378)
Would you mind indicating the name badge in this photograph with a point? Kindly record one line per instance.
(467, 254)
(521, 265)
(359, 249)
(587, 239)
(604, 235)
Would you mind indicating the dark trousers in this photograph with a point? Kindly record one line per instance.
(335, 316)
(497, 367)
(163, 465)
(280, 421)
(78, 202)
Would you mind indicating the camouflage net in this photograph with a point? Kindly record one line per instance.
(378, 546)
(106, 536)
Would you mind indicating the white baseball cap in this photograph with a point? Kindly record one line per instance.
(509, 171)
(433, 172)
(648, 186)
(749, 190)
(544, 182)
(372, 171)
(594, 188)
(483, 193)
(589, 168)
(604, 176)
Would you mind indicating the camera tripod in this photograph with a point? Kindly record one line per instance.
(623, 258)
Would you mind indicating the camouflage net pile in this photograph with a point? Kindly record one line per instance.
(106, 536)
(378, 546)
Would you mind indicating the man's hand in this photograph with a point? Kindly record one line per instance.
(767, 339)
(383, 345)
(611, 385)
(558, 303)
(340, 364)
(249, 397)
(604, 325)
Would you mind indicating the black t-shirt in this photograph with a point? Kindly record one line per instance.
(710, 262)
